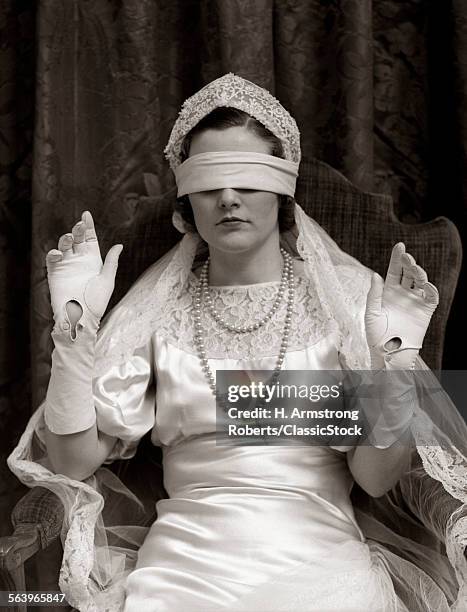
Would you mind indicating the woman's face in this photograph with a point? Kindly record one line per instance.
(257, 210)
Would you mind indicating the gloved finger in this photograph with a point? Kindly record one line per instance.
(407, 279)
(374, 296)
(394, 272)
(65, 244)
(420, 276)
(78, 232)
(91, 236)
(407, 260)
(88, 221)
(431, 294)
(111, 263)
(53, 256)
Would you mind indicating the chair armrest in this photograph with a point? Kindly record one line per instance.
(37, 520)
(16, 549)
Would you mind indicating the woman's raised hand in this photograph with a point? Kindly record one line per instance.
(398, 312)
(80, 284)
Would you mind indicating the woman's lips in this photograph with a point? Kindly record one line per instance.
(233, 224)
(231, 220)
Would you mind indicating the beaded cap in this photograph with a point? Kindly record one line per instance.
(237, 92)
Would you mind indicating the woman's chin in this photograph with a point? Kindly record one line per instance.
(231, 240)
(237, 238)
(234, 244)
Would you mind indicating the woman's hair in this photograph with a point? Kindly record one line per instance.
(221, 119)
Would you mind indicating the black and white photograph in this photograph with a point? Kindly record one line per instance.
(233, 350)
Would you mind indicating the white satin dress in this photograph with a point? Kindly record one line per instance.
(257, 528)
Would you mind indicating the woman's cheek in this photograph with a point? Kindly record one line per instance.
(202, 211)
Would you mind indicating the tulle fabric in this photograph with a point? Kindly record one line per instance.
(99, 554)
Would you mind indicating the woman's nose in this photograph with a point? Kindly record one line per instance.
(228, 198)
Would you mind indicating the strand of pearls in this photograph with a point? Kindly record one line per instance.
(198, 335)
(249, 328)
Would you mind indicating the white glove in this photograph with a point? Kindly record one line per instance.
(386, 402)
(76, 274)
(80, 288)
(389, 407)
(398, 312)
(69, 406)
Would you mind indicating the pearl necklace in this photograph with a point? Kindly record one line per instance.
(198, 335)
(249, 328)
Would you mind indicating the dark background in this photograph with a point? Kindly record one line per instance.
(89, 90)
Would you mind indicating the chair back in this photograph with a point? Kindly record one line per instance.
(365, 226)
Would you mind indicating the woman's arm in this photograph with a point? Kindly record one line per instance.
(379, 464)
(377, 470)
(78, 455)
(80, 288)
(397, 316)
(121, 402)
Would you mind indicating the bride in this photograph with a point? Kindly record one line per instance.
(246, 527)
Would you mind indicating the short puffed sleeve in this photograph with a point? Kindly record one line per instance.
(125, 401)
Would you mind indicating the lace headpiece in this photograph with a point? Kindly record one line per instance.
(236, 92)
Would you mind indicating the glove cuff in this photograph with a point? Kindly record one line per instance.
(387, 402)
(396, 394)
(69, 406)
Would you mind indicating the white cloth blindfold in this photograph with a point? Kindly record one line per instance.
(236, 170)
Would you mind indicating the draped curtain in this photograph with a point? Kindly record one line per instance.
(89, 92)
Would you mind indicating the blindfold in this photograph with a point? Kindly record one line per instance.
(236, 170)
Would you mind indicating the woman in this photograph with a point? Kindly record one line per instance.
(245, 527)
